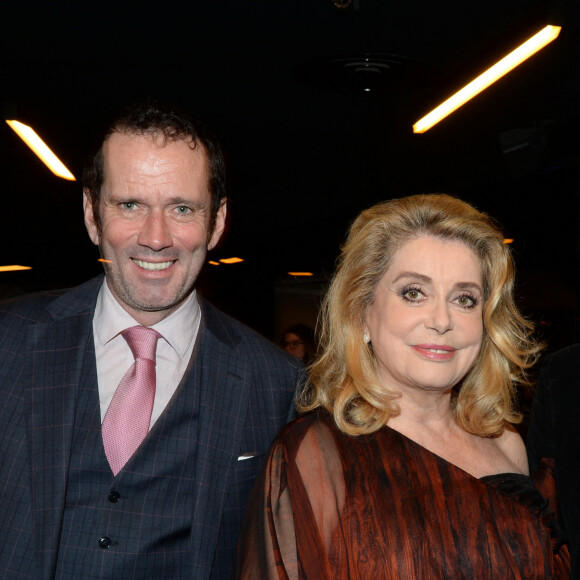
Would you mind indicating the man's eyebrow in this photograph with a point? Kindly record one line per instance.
(176, 200)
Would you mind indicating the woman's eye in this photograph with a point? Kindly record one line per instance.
(466, 301)
(412, 294)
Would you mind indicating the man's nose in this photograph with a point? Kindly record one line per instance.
(156, 232)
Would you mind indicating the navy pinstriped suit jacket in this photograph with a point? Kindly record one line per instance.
(47, 353)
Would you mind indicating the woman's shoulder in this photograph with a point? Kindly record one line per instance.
(317, 423)
(513, 448)
(312, 435)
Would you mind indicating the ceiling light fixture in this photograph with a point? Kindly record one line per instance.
(42, 150)
(492, 74)
(231, 260)
(342, 4)
(300, 274)
(14, 268)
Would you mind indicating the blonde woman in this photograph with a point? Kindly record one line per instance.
(407, 464)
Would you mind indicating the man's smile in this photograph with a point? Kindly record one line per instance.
(152, 265)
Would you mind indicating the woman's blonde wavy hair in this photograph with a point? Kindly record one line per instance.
(344, 378)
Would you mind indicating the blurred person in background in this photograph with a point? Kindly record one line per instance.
(299, 341)
(553, 432)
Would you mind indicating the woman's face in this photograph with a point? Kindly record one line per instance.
(425, 323)
(293, 345)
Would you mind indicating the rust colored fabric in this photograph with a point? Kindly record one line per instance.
(334, 507)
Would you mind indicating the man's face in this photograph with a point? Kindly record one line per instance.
(155, 211)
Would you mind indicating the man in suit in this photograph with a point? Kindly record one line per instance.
(80, 496)
(554, 433)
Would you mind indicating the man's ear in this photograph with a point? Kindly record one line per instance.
(220, 224)
(90, 221)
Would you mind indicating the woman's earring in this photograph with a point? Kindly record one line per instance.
(366, 338)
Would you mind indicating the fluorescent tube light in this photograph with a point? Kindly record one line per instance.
(492, 74)
(29, 136)
(231, 260)
(14, 268)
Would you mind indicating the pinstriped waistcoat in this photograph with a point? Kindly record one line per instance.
(137, 524)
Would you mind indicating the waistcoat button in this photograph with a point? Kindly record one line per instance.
(114, 496)
(105, 542)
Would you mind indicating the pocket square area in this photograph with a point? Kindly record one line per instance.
(247, 455)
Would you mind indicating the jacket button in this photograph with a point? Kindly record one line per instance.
(114, 496)
(105, 542)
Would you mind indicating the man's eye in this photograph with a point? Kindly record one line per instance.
(182, 209)
(130, 205)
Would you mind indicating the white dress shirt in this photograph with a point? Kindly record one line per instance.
(114, 357)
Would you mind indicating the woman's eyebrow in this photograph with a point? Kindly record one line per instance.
(427, 280)
(469, 286)
(415, 275)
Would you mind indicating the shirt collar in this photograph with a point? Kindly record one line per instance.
(179, 329)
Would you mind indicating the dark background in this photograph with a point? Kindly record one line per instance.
(314, 106)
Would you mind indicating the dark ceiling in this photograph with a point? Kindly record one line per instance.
(283, 84)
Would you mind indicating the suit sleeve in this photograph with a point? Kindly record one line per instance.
(301, 380)
(267, 549)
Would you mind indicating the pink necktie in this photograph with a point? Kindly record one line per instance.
(127, 419)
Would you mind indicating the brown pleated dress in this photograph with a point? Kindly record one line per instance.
(329, 506)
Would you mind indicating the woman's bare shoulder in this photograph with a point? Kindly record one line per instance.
(513, 447)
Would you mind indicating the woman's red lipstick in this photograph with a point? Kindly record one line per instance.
(437, 352)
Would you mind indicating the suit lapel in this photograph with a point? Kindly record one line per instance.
(60, 356)
(224, 394)
(56, 354)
